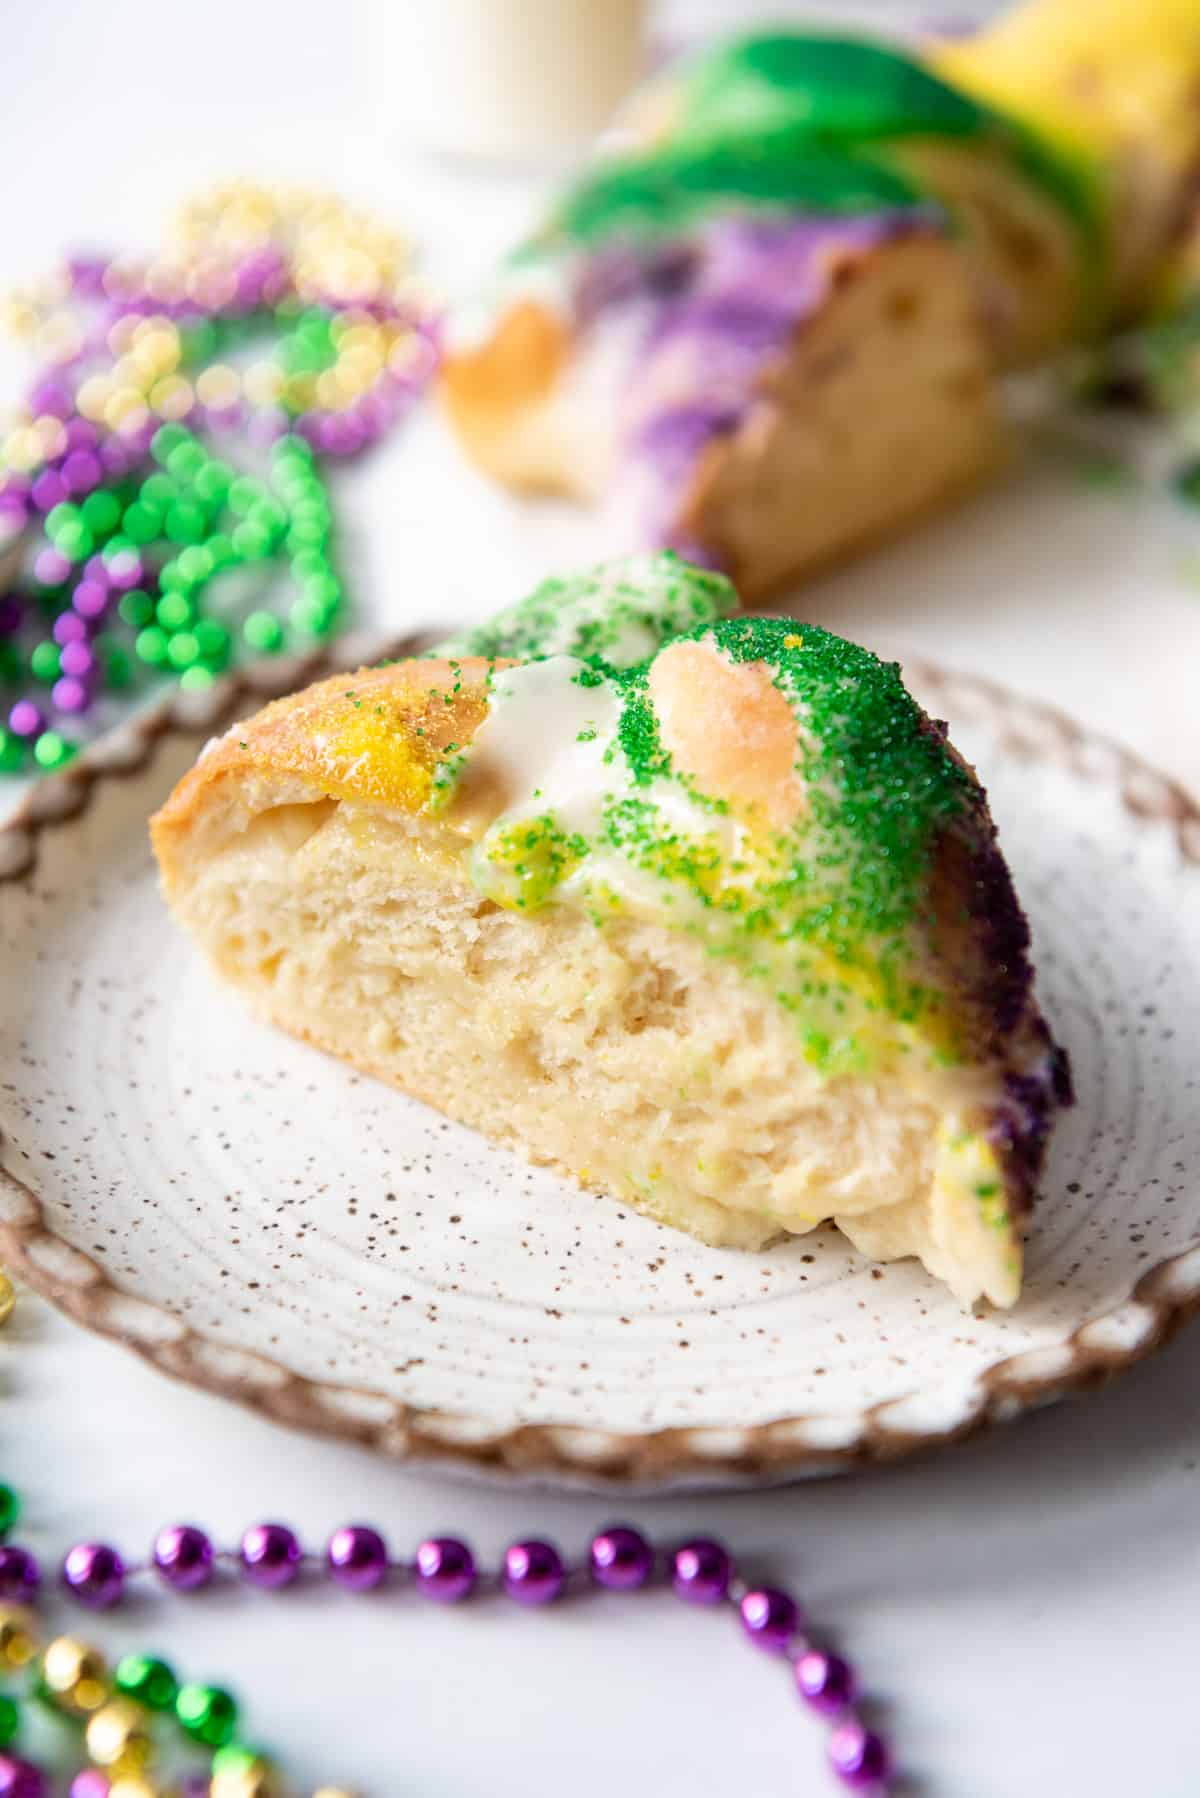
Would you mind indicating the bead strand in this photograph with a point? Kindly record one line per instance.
(151, 364)
(532, 1573)
(115, 1712)
(443, 1568)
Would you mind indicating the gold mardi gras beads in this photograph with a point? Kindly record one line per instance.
(26, 309)
(254, 1780)
(332, 247)
(19, 1635)
(118, 1737)
(75, 1676)
(8, 1298)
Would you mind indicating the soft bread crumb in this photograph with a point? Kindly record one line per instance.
(624, 1056)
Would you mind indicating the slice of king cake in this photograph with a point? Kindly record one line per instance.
(701, 909)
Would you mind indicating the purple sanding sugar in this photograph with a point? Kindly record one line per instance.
(714, 320)
(737, 319)
(620, 274)
(681, 433)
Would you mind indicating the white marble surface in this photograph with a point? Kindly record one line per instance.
(1024, 1602)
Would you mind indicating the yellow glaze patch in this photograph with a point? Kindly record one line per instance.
(381, 760)
(1099, 74)
(378, 735)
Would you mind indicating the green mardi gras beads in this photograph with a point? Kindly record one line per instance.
(10, 1510)
(263, 632)
(101, 512)
(236, 1761)
(117, 664)
(175, 610)
(183, 649)
(185, 522)
(151, 1682)
(52, 750)
(242, 350)
(136, 608)
(208, 1713)
(205, 1714)
(171, 632)
(142, 521)
(191, 520)
(45, 661)
(150, 646)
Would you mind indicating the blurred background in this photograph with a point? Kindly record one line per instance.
(114, 114)
(111, 113)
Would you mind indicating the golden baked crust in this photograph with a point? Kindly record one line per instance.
(373, 736)
(500, 398)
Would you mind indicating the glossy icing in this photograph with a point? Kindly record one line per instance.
(868, 98)
(673, 190)
(849, 89)
(634, 206)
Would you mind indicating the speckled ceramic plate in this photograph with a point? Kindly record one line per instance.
(259, 1220)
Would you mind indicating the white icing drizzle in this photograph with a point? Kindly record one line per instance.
(544, 741)
(549, 748)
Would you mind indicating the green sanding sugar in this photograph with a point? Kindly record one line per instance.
(879, 780)
(638, 731)
(533, 857)
(618, 611)
(832, 909)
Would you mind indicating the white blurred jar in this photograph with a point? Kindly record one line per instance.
(510, 78)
